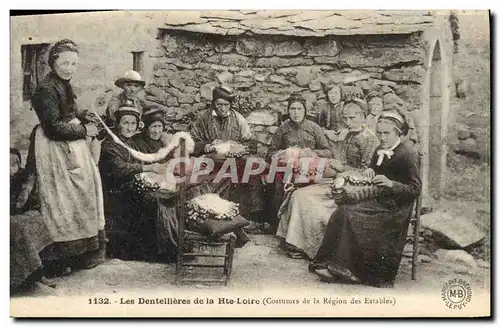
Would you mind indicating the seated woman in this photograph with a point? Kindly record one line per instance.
(29, 234)
(122, 206)
(304, 217)
(220, 124)
(364, 241)
(150, 139)
(297, 132)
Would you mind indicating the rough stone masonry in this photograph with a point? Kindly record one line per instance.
(266, 69)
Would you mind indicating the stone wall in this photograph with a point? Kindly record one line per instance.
(265, 70)
(105, 54)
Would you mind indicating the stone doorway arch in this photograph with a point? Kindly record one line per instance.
(435, 120)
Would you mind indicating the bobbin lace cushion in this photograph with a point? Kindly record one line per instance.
(209, 214)
(230, 149)
(353, 187)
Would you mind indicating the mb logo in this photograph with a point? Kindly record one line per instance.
(456, 293)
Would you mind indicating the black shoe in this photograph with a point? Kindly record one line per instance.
(314, 265)
(325, 276)
(343, 273)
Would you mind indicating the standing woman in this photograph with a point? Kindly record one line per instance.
(69, 184)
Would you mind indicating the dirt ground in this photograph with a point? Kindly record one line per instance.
(256, 266)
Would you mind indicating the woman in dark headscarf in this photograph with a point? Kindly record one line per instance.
(221, 123)
(158, 226)
(124, 209)
(150, 139)
(300, 132)
(69, 185)
(364, 241)
(303, 219)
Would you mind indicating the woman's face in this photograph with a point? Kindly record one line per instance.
(222, 107)
(127, 126)
(155, 130)
(334, 95)
(376, 105)
(387, 134)
(297, 112)
(65, 65)
(353, 117)
(131, 89)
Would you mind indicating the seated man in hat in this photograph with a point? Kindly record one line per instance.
(131, 83)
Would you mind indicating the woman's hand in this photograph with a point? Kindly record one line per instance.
(382, 180)
(155, 168)
(370, 173)
(92, 117)
(92, 130)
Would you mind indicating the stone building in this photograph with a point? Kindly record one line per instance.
(105, 41)
(264, 55)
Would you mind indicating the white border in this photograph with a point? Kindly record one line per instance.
(241, 4)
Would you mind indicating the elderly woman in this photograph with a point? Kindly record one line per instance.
(222, 123)
(297, 131)
(69, 186)
(364, 241)
(150, 139)
(118, 168)
(304, 217)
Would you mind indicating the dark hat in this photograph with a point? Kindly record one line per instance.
(223, 92)
(127, 108)
(130, 76)
(153, 115)
(297, 97)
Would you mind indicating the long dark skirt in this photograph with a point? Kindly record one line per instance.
(28, 237)
(368, 239)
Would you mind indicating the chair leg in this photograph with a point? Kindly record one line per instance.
(230, 255)
(416, 237)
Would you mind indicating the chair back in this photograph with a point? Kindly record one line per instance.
(181, 207)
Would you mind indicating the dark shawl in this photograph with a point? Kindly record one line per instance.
(54, 104)
(209, 128)
(307, 134)
(368, 237)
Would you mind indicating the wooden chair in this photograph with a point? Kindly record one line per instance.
(414, 235)
(189, 240)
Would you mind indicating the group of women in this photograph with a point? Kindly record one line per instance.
(353, 242)
(80, 200)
